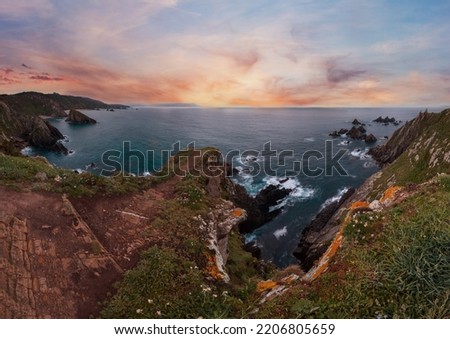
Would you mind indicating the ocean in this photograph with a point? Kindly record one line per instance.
(297, 135)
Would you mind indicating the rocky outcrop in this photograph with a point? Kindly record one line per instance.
(356, 122)
(400, 140)
(370, 138)
(338, 133)
(219, 223)
(39, 133)
(77, 117)
(262, 208)
(385, 120)
(317, 236)
(19, 113)
(357, 132)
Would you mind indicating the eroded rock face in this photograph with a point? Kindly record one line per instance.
(39, 133)
(400, 140)
(50, 267)
(77, 117)
(316, 236)
(259, 208)
(219, 223)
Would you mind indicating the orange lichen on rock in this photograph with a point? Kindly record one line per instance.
(324, 261)
(211, 267)
(390, 193)
(265, 285)
(237, 212)
(359, 204)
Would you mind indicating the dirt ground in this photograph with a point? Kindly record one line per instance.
(60, 257)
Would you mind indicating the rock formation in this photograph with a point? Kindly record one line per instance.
(39, 133)
(370, 138)
(79, 118)
(259, 208)
(317, 235)
(401, 139)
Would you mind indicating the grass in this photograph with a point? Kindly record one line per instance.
(414, 165)
(167, 285)
(20, 173)
(393, 264)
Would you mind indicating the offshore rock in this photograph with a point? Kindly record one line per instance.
(79, 118)
(258, 209)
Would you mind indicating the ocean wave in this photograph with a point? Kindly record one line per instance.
(282, 232)
(361, 153)
(309, 139)
(298, 192)
(27, 151)
(248, 159)
(340, 193)
(345, 143)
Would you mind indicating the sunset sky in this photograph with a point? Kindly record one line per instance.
(230, 52)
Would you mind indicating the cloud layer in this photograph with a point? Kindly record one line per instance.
(290, 53)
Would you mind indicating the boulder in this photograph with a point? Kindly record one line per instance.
(356, 122)
(77, 117)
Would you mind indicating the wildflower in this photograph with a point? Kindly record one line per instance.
(150, 301)
(158, 313)
(139, 310)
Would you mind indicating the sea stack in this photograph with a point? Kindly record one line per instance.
(77, 117)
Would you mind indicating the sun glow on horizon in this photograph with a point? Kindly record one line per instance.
(229, 53)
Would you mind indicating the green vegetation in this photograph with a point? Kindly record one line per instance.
(167, 285)
(423, 159)
(393, 264)
(23, 173)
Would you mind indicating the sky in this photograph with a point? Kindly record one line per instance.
(230, 52)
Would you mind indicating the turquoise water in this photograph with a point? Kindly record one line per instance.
(296, 129)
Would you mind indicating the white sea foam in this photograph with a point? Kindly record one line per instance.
(345, 143)
(282, 232)
(309, 139)
(298, 192)
(337, 197)
(27, 151)
(248, 159)
(361, 153)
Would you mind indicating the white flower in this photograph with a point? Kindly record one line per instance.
(158, 313)
(150, 301)
(139, 310)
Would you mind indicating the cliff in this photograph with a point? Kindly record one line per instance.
(65, 239)
(169, 247)
(384, 252)
(21, 122)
